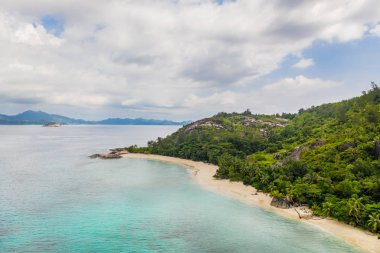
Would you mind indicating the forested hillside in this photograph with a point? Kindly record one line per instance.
(326, 156)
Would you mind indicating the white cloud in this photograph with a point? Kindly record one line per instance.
(129, 102)
(304, 63)
(34, 36)
(40, 70)
(299, 85)
(16, 31)
(77, 99)
(375, 31)
(286, 95)
(226, 98)
(134, 56)
(291, 94)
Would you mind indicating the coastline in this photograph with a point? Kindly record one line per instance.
(203, 175)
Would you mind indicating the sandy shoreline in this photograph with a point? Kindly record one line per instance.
(204, 176)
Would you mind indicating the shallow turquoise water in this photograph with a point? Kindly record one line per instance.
(54, 199)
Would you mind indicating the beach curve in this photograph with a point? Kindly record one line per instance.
(203, 175)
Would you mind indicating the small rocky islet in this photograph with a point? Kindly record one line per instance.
(115, 153)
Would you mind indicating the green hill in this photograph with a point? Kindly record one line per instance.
(207, 139)
(326, 156)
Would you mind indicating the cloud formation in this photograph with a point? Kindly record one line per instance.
(375, 30)
(304, 63)
(285, 95)
(167, 57)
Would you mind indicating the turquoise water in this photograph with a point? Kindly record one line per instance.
(54, 199)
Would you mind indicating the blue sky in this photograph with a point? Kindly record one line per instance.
(184, 59)
(355, 63)
(53, 24)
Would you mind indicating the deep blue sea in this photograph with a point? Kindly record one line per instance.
(54, 199)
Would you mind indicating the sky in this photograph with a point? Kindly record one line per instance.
(184, 59)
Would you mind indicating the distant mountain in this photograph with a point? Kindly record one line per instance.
(40, 118)
(37, 118)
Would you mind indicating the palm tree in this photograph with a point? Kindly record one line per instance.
(355, 207)
(290, 194)
(327, 208)
(263, 178)
(374, 222)
(311, 177)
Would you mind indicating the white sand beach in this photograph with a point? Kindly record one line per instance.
(203, 174)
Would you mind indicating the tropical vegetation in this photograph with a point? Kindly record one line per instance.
(327, 156)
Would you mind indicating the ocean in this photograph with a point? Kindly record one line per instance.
(53, 198)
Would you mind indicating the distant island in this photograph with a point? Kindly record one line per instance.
(52, 124)
(43, 118)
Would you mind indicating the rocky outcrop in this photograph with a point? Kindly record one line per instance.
(377, 149)
(105, 156)
(265, 133)
(52, 124)
(296, 154)
(281, 203)
(316, 144)
(347, 145)
(251, 121)
(199, 124)
(303, 211)
(114, 153)
(118, 151)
